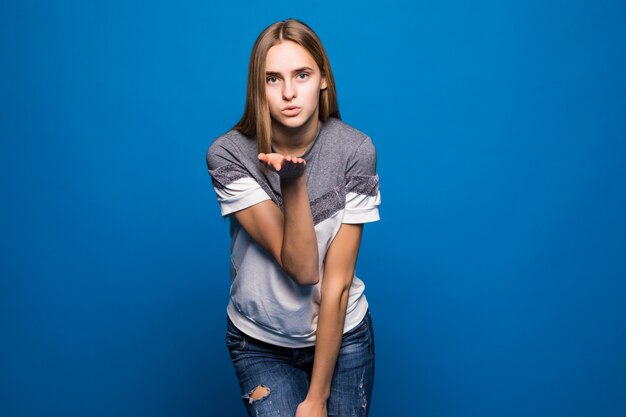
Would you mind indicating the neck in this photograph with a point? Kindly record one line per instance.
(295, 141)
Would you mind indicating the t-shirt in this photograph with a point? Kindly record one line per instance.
(342, 185)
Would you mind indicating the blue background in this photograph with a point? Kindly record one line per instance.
(498, 273)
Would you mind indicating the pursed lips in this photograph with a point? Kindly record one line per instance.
(291, 111)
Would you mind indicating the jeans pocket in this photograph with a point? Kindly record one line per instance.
(359, 340)
(235, 339)
(358, 331)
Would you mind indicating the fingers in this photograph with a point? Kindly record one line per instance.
(281, 162)
(271, 160)
(292, 163)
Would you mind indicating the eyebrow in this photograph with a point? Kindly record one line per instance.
(294, 71)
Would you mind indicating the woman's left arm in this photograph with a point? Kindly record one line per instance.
(339, 267)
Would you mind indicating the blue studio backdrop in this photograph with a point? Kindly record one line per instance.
(496, 276)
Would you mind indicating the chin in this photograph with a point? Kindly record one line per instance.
(292, 122)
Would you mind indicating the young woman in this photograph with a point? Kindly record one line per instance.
(297, 184)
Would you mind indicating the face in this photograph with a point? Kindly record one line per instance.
(293, 82)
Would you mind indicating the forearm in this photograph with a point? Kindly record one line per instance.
(328, 341)
(339, 268)
(299, 253)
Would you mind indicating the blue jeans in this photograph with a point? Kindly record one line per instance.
(284, 373)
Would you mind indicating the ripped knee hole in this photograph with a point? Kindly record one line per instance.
(258, 393)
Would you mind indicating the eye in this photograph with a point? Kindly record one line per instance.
(302, 75)
(271, 79)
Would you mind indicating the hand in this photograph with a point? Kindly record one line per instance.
(308, 408)
(287, 167)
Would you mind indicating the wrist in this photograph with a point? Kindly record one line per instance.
(292, 181)
(318, 396)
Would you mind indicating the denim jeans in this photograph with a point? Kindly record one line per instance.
(284, 373)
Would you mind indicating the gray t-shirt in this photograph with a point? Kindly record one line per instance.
(342, 185)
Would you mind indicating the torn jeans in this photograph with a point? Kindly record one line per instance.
(275, 379)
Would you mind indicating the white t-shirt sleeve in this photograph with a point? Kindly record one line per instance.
(235, 187)
(362, 187)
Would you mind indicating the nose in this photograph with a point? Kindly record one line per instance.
(289, 90)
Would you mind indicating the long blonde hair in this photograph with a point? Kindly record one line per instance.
(256, 117)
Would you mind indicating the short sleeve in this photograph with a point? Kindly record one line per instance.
(235, 187)
(362, 188)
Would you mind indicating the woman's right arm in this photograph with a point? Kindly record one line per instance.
(289, 238)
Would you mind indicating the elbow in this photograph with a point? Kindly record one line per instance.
(335, 293)
(304, 278)
(303, 273)
(311, 279)
(307, 281)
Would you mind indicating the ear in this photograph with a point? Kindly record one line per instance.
(324, 85)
